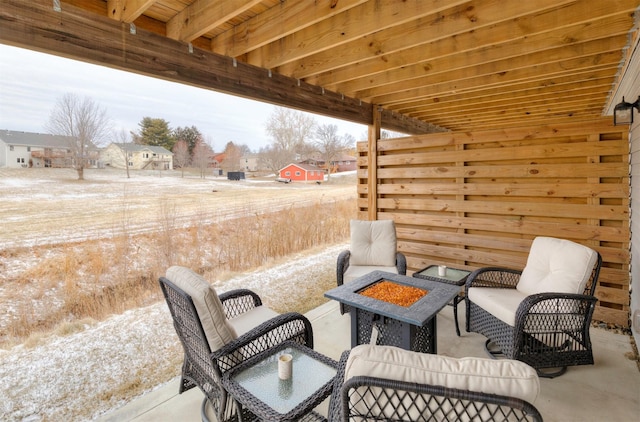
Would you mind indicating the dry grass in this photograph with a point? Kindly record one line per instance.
(88, 281)
(312, 296)
(97, 250)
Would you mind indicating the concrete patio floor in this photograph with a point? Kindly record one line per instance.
(606, 391)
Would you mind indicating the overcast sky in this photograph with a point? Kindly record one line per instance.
(32, 82)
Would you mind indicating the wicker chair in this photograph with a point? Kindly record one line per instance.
(373, 247)
(540, 315)
(219, 332)
(377, 383)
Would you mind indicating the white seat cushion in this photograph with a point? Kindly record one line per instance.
(503, 377)
(355, 271)
(373, 243)
(207, 303)
(501, 303)
(247, 321)
(557, 265)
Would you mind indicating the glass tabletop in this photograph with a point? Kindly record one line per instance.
(308, 376)
(453, 275)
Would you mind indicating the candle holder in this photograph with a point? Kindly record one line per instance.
(285, 366)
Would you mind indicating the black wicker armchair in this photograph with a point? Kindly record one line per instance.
(373, 248)
(547, 328)
(204, 367)
(431, 393)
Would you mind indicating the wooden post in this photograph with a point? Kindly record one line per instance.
(372, 164)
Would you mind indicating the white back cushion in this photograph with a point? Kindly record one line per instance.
(557, 265)
(503, 377)
(373, 243)
(207, 303)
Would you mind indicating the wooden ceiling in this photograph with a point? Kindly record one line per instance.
(456, 64)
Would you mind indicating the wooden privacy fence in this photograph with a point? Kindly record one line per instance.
(477, 199)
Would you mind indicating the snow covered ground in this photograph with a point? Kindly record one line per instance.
(83, 375)
(95, 367)
(45, 206)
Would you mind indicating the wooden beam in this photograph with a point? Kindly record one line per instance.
(397, 45)
(127, 10)
(275, 23)
(449, 55)
(203, 15)
(431, 88)
(552, 103)
(528, 121)
(591, 81)
(560, 84)
(80, 35)
(404, 124)
(344, 27)
(507, 69)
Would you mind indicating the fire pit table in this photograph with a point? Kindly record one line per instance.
(376, 320)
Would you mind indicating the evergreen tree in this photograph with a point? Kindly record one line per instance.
(154, 132)
(190, 135)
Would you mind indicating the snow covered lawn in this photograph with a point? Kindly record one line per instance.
(95, 367)
(85, 374)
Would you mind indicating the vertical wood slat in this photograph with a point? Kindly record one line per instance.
(478, 199)
(372, 157)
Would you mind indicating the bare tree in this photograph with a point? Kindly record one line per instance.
(289, 129)
(84, 122)
(290, 133)
(181, 155)
(202, 156)
(274, 158)
(232, 155)
(122, 138)
(330, 145)
(244, 149)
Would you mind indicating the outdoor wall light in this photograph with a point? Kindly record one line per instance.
(623, 112)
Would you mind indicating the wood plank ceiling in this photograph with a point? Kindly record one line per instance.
(456, 64)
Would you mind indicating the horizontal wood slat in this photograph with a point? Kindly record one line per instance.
(612, 212)
(478, 199)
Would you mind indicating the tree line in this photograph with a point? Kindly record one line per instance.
(297, 136)
(293, 137)
(189, 147)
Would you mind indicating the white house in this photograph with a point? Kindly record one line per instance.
(250, 162)
(27, 149)
(138, 157)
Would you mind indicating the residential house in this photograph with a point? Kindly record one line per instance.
(301, 173)
(27, 149)
(250, 162)
(343, 163)
(217, 159)
(138, 157)
(337, 165)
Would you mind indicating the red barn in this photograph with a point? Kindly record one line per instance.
(301, 173)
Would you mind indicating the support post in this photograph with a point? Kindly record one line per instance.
(372, 164)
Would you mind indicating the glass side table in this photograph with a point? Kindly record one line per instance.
(453, 276)
(255, 385)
